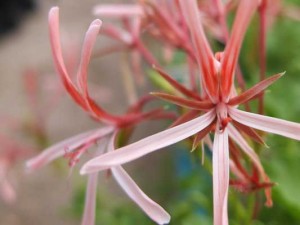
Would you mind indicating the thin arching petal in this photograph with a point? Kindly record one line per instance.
(244, 14)
(265, 123)
(87, 48)
(151, 208)
(70, 144)
(220, 177)
(255, 90)
(184, 102)
(179, 87)
(204, 54)
(149, 144)
(58, 57)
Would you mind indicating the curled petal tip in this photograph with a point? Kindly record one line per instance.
(54, 10)
(97, 22)
(165, 220)
(283, 73)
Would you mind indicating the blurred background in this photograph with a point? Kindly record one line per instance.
(54, 195)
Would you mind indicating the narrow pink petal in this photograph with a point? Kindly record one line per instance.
(118, 10)
(255, 90)
(91, 191)
(184, 102)
(151, 208)
(245, 12)
(70, 144)
(89, 42)
(265, 123)
(57, 55)
(204, 55)
(55, 42)
(149, 144)
(90, 200)
(220, 177)
(238, 138)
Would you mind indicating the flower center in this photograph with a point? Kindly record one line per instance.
(222, 115)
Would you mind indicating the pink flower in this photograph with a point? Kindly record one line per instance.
(219, 104)
(76, 146)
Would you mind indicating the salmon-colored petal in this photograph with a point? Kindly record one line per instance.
(185, 117)
(175, 84)
(149, 144)
(204, 54)
(244, 14)
(200, 135)
(192, 104)
(255, 90)
(250, 132)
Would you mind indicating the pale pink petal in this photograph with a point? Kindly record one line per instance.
(90, 200)
(61, 148)
(89, 42)
(220, 177)
(55, 42)
(118, 10)
(238, 138)
(91, 191)
(265, 123)
(57, 55)
(149, 144)
(151, 208)
(204, 55)
(244, 14)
